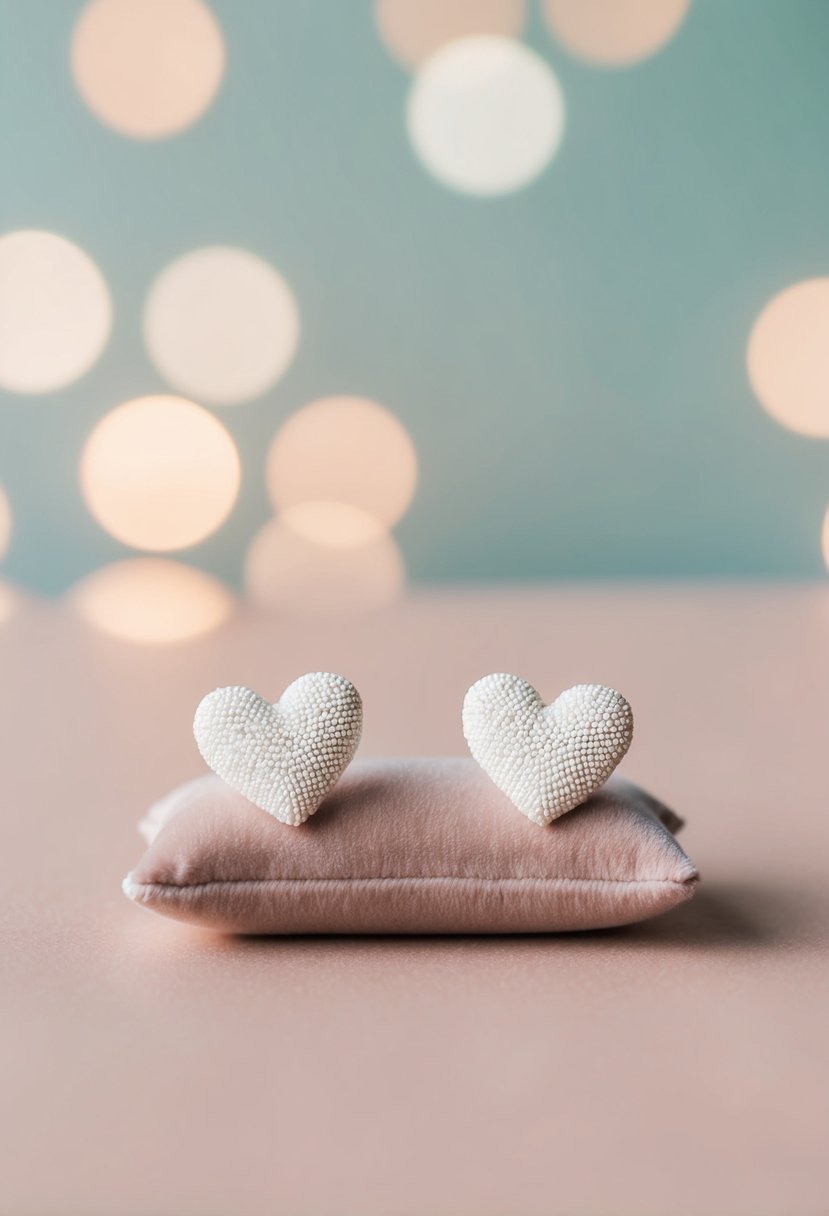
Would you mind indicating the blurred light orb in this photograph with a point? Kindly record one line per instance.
(788, 357)
(414, 29)
(8, 602)
(55, 312)
(147, 68)
(338, 525)
(614, 33)
(152, 600)
(341, 450)
(5, 522)
(160, 473)
(286, 570)
(221, 325)
(485, 115)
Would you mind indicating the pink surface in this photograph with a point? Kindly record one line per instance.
(675, 1067)
(410, 846)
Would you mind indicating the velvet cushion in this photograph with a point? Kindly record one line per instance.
(409, 846)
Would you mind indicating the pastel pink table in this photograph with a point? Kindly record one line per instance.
(676, 1067)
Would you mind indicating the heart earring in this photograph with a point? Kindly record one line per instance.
(284, 757)
(546, 759)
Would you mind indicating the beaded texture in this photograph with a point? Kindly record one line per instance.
(284, 757)
(546, 759)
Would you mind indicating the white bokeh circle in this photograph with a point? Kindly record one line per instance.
(221, 324)
(160, 473)
(147, 68)
(788, 357)
(55, 312)
(485, 115)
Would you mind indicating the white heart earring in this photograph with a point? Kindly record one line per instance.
(287, 756)
(546, 759)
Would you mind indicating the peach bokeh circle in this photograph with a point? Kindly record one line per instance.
(55, 312)
(286, 570)
(160, 473)
(414, 29)
(788, 357)
(152, 600)
(8, 602)
(339, 525)
(614, 33)
(147, 68)
(341, 451)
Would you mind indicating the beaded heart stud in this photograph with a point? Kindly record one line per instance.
(546, 759)
(287, 756)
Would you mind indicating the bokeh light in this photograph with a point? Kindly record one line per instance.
(221, 325)
(8, 602)
(5, 522)
(336, 524)
(485, 115)
(147, 68)
(346, 450)
(55, 312)
(152, 600)
(614, 33)
(160, 473)
(414, 29)
(286, 570)
(788, 357)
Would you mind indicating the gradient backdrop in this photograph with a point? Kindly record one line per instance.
(568, 358)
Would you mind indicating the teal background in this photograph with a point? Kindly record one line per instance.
(569, 360)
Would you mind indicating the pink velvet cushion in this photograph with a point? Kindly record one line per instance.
(409, 846)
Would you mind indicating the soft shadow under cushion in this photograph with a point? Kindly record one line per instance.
(409, 846)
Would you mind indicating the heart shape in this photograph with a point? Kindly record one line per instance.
(284, 757)
(546, 759)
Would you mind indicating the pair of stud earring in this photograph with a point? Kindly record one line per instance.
(285, 757)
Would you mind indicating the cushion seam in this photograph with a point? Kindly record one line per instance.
(417, 878)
